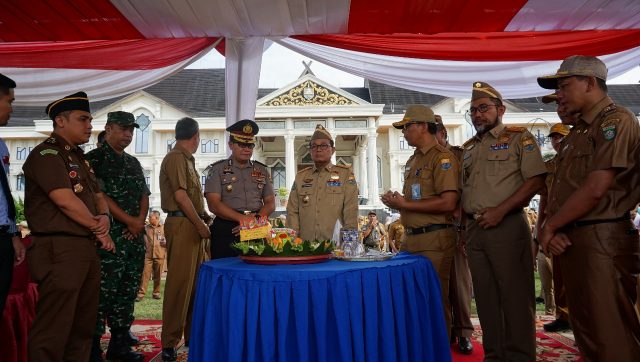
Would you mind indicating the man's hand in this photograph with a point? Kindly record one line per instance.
(489, 217)
(106, 242)
(393, 246)
(203, 230)
(393, 200)
(102, 226)
(559, 243)
(19, 250)
(134, 227)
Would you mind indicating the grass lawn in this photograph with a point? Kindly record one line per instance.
(150, 308)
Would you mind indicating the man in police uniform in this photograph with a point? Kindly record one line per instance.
(186, 232)
(588, 223)
(430, 197)
(9, 234)
(502, 169)
(121, 178)
(322, 194)
(237, 189)
(549, 268)
(67, 214)
(460, 288)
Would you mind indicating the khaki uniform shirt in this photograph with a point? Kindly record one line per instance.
(320, 197)
(396, 232)
(241, 187)
(496, 165)
(607, 136)
(153, 236)
(55, 164)
(429, 172)
(178, 171)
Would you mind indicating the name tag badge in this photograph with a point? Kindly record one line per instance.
(415, 192)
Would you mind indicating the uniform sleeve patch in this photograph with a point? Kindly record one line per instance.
(528, 144)
(445, 164)
(48, 151)
(609, 129)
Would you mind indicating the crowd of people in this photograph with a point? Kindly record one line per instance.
(96, 245)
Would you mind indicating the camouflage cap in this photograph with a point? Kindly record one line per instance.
(124, 119)
(559, 128)
(321, 134)
(416, 113)
(550, 98)
(484, 90)
(575, 65)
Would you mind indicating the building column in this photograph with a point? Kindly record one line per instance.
(364, 182)
(372, 149)
(393, 166)
(331, 129)
(290, 159)
(355, 165)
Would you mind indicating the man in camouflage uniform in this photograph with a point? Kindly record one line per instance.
(322, 194)
(121, 178)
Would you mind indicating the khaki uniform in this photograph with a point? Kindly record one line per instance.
(431, 171)
(62, 259)
(396, 233)
(241, 188)
(460, 287)
(493, 168)
(320, 197)
(603, 261)
(185, 248)
(154, 258)
(545, 266)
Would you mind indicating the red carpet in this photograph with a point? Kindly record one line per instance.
(550, 346)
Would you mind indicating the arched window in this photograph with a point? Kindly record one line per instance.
(279, 176)
(142, 134)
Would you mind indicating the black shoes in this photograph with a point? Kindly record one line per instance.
(131, 339)
(119, 348)
(557, 326)
(539, 300)
(169, 354)
(464, 345)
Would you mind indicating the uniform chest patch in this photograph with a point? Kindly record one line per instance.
(334, 183)
(499, 146)
(445, 164)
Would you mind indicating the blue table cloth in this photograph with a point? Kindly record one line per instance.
(333, 311)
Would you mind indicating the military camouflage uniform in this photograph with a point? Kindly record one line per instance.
(121, 178)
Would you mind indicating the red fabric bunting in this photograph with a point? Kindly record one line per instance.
(502, 46)
(102, 54)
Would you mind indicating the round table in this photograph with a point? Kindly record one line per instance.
(335, 311)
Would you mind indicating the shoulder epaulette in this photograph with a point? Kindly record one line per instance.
(305, 169)
(469, 142)
(259, 163)
(515, 129)
(609, 109)
(344, 166)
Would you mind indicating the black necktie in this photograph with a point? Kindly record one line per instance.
(7, 195)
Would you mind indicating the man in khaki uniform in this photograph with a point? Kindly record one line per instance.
(588, 223)
(396, 234)
(155, 254)
(502, 169)
(430, 197)
(322, 194)
(185, 230)
(237, 189)
(460, 288)
(68, 216)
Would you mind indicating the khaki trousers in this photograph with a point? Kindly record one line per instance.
(600, 271)
(460, 290)
(439, 247)
(546, 281)
(185, 253)
(559, 293)
(67, 270)
(152, 268)
(502, 272)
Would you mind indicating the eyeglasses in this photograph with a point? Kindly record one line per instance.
(481, 108)
(407, 125)
(247, 145)
(322, 147)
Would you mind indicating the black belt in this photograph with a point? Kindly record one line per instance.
(512, 212)
(181, 214)
(426, 229)
(247, 212)
(581, 223)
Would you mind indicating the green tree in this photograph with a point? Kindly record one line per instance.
(19, 210)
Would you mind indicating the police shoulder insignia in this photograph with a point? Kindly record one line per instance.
(445, 164)
(609, 128)
(609, 109)
(515, 129)
(305, 169)
(344, 166)
(48, 151)
(528, 144)
(469, 144)
(260, 163)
